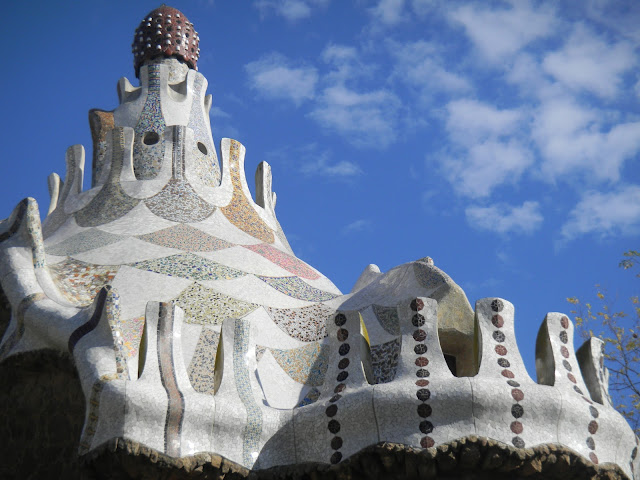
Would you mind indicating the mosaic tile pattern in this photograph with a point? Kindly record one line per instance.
(190, 266)
(17, 333)
(186, 238)
(204, 306)
(423, 393)
(502, 359)
(176, 403)
(147, 159)
(283, 260)
(296, 288)
(240, 212)
(307, 364)
(384, 360)
(253, 427)
(333, 425)
(91, 419)
(205, 164)
(388, 318)
(306, 324)
(111, 202)
(202, 366)
(84, 241)
(112, 311)
(101, 123)
(429, 278)
(131, 334)
(178, 201)
(311, 396)
(79, 282)
(34, 231)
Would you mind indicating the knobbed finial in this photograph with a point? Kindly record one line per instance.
(165, 32)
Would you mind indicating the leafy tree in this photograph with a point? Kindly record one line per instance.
(619, 330)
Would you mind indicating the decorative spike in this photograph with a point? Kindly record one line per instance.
(54, 183)
(596, 376)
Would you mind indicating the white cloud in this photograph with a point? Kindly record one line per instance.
(418, 64)
(357, 226)
(470, 121)
(505, 219)
(587, 62)
(572, 139)
(487, 152)
(217, 112)
(605, 214)
(291, 10)
(273, 77)
(365, 118)
(319, 165)
(485, 166)
(500, 33)
(389, 12)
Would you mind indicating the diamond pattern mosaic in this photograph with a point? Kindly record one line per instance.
(79, 282)
(202, 366)
(388, 318)
(284, 260)
(190, 266)
(187, 238)
(205, 306)
(384, 360)
(306, 324)
(84, 241)
(296, 288)
(307, 364)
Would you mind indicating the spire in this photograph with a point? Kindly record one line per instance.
(165, 32)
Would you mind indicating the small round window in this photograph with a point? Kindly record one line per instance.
(150, 138)
(202, 147)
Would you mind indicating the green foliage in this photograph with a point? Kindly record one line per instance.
(619, 329)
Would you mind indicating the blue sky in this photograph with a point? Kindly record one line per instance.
(500, 138)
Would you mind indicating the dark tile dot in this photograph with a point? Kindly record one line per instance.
(564, 351)
(497, 305)
(417, 305)
(501, 350)
(593, 427)
(342, 376)
(507, 373)
(513, 383)
(593, 457)
(594, 412)
(334, 426)
(427, 442)
(422, 361)
(424, 410)
(422, 373)
(336, 443)
(339, 388)
(517, 427)
(517, 394)
(420, 349)
(335, 398)
(336, 457)
(342, 334)
(417, 320)
(634, 453)
(498, 336)
(504, 363)
(575, 387)
(331, 410)
(564, 322)
(422, 382)
(344, 363)
(567, 365)
(517, 411)
(517, 442)
(564, 338)
(497, 321)
(426, 426)
(423, 394)
(340, 319)
(419, 335)
(591, 443)
(344, 349)
(571, 378)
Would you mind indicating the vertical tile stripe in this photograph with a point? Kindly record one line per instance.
(175, 407)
